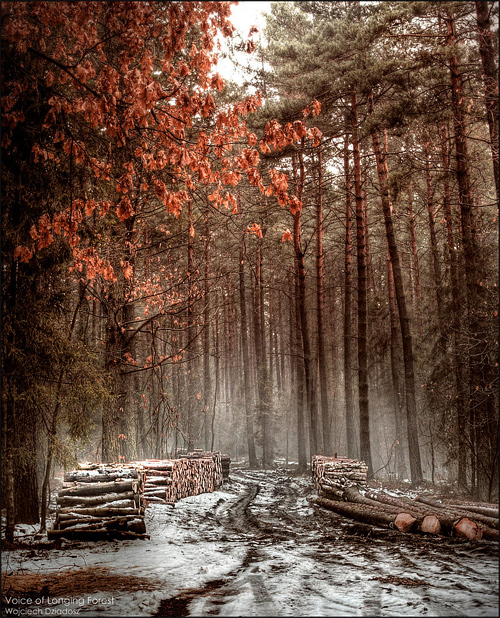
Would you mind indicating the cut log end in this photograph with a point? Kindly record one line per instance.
(430, 525)
(404, 522)
(466, 528)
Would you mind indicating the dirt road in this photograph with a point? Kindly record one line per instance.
(299, 560)
(257, 547)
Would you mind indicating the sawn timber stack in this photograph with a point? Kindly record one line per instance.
(342, 487)
(169, 480)
(100, 502)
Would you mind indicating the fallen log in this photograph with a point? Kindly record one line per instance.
(435, 520)
(407, 519)
(481, 510)
(96, 535)
(367, 514)
(489, 533)
(101, 476)
(94, 500)
(488, 521)
(84, 524)
(92, 489)
(157, 493)
(107, 511)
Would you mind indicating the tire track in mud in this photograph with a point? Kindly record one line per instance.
(297, 557)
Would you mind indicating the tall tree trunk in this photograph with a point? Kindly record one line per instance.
(478, 390)
(191, 387)
(460, 404)
(352, 450)
(364, 413)
(490, 77)
(252, 459)
(396, 381)
(314, 439)
(415, 266)
(207, 381)
(320, 304)
(436, 263)
(408, 357)
(298, 367)
(263, 386)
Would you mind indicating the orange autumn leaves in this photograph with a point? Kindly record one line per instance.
(146, 88)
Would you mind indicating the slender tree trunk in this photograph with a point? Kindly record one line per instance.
(436, 263)
(396, 380)
(461, 419)
(490, 77)
(263, 387)
(478, 390)
(191, 387)
(207, 381)
(320, 304)
(408, 357)
(415, 267)
(298, 365)
(252, 459)
(352, 450)
(314, 439)
(364, 413)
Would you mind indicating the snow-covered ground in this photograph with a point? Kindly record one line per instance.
(257, 548)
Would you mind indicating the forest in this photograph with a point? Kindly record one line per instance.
(301, 264)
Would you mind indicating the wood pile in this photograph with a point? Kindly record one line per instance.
(190, 474)
(342, 488)
(332, 474)
(100, 502)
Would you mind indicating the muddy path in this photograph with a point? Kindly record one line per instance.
(301, 560)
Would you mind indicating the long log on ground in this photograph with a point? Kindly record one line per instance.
(125, 506)
(487, 521)
(94, 500)
(157, 480)
(96, 476)
(96, 535)
(134, 523)
(368, 514)
(435, 520)
(489, 533)
(409, 519)
(156, 473)
(481, 510)
(488, 505)
(92, 489)
(156, 493)
(85, 523)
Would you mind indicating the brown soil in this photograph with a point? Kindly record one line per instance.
(64, 584)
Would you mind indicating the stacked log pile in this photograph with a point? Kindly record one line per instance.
(190, 474)
(341, 486)
(159, 478)
(332, 474)
(100, 502)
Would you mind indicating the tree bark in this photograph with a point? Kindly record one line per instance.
(458, 369)
(364, 413)
(490, 78)
(352, 450)
(395, 375)
(252, 458)
(320, 304)
(207, 381)
(408, 357)
(314, 438)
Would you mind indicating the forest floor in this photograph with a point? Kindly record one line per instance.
(256, 548)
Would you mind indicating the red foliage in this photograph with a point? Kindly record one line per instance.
(121, 108)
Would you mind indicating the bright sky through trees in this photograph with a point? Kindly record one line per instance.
(243, 16)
